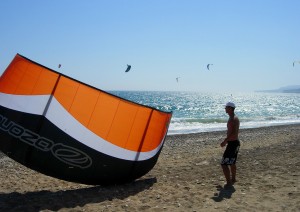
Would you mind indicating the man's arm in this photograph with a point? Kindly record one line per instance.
(230, 132)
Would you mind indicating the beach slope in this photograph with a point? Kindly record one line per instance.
(187, 177)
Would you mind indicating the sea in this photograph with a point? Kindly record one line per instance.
(195, 112)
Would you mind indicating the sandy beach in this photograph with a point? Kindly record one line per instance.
(187, 177)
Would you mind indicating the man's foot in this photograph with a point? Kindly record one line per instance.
(233, 181)
(228, 184)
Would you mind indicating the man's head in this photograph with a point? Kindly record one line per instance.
(229, 106)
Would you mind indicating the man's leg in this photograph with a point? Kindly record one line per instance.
(226, 172)
(233, 173)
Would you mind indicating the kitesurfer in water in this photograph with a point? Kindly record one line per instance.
(233, 144)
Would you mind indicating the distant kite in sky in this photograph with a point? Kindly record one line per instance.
(128, 68)
(208, 66)
(59, 65)
(177, 78)
(295, 62)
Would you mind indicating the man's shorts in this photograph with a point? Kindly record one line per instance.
(230, 153)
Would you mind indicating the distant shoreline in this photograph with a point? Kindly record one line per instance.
(287, 89)
(278, 91)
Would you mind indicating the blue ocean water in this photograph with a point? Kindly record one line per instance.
(203, 112)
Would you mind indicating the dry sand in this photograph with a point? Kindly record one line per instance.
(187, 177)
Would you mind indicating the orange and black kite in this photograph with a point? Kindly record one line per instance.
(66, 129)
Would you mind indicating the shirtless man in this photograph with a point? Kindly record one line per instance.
(233, 144)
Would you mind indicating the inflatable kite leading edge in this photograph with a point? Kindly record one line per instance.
(66, 129)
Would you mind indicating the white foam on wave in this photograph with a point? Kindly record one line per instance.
(196, 127)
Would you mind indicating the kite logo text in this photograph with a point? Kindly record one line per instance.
(64, 153)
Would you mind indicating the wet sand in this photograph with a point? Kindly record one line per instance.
(187, 177)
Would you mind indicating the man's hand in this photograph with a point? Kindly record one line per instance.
(223, 143)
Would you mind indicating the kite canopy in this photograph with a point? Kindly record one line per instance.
(128, 68)
(296, 62)
(208, 66)
(66, 129)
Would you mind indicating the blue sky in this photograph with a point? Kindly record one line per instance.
(251, 43)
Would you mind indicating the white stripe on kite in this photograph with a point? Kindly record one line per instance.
(66, 122)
